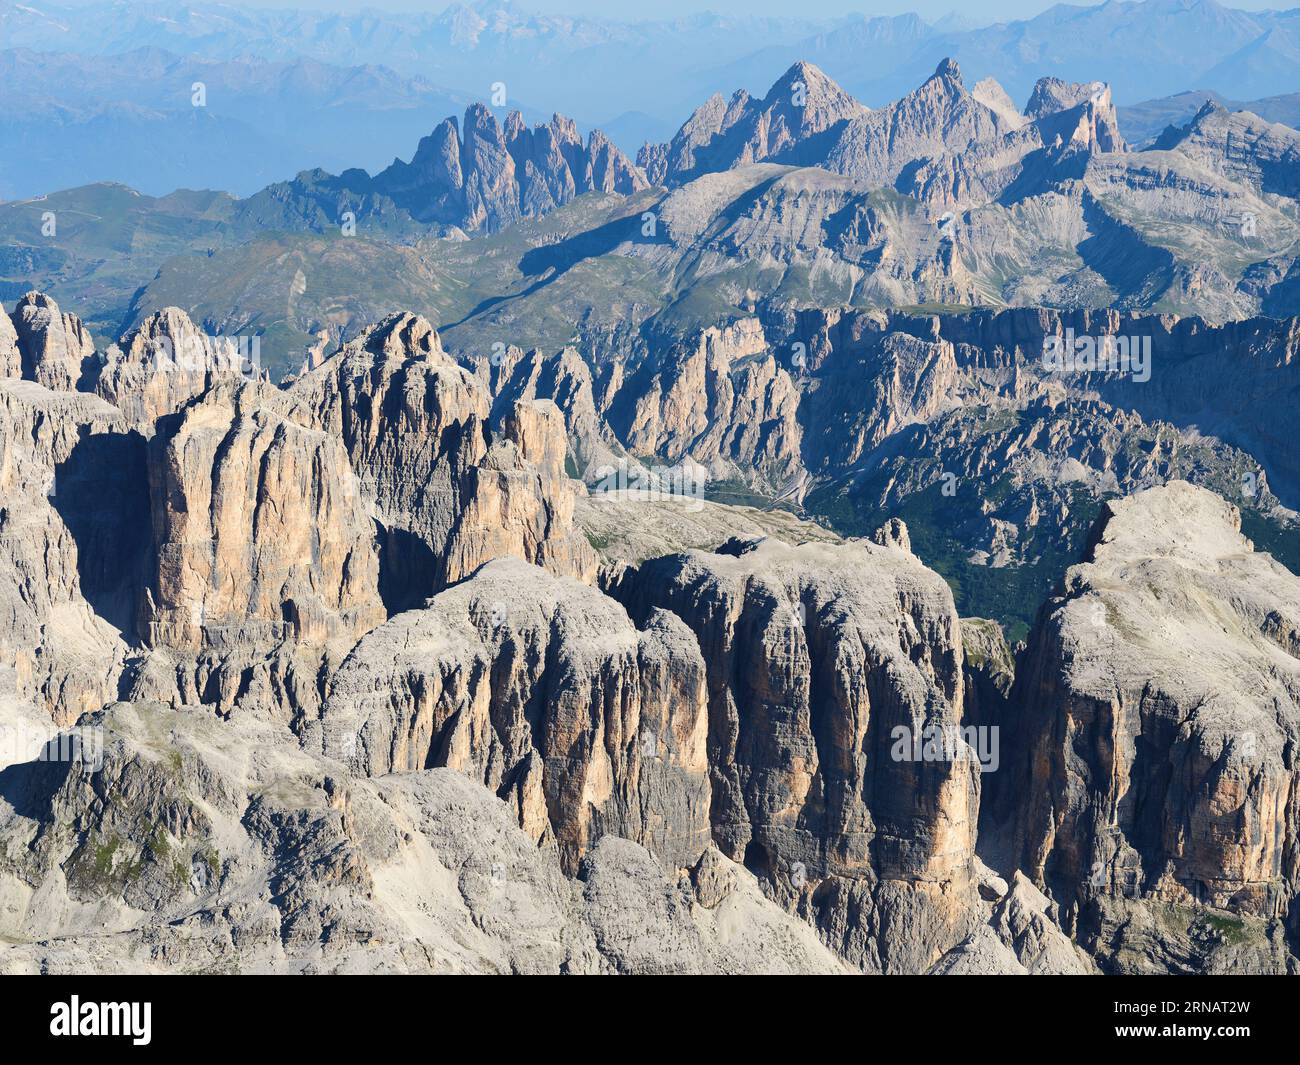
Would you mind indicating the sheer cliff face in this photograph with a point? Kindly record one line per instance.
(1159, 706)
(60, 462)
(817, 657)
(72, 499)
(260, 528)
(55, 348)
(449, 491)
(543, 690)
(260, 532)
(722, 400)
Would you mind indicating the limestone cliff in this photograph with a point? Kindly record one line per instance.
(449, 491)
(817, 657)
(543, 690)
(1158, 708)
(260, 532)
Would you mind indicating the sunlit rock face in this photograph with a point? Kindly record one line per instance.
(819, 658)
(1159, 705)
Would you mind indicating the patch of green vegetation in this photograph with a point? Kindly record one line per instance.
(110, 241)
(1201, 924)
(104, 865)
(1232, 929)
(100, 867)
(734, 491)
(103, 856)
(737, 493)
(940, 309)
(1009, 595)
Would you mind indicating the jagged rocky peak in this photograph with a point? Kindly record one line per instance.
(1159, 703)
(492, 175)
(940, 116)
(449, 491)
(53, 349)
(1051, 95)
(970, 139)
(437, 157)
(411, 420)
(164, 362)
(1082, 114)
(806, 100)
(946, 79)
(554, 165)
(401, 336)
(802, 105)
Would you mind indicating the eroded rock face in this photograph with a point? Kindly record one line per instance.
(722, 400)
(411, 421)
(265, 561)
(449, 492)
(164, 363)
(11, 359)
(1159, 706)
(518, 501)
(1022, 936)
(260, 531)
(56, 349)
(199, 845)
(69, 538)
(643, 762)
(543, 690)
(565, 379)
(816, 655)
(939, 116)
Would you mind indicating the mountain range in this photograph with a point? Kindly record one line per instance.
(851, 532)
(293, 90)
(72, 117)
(952, 196)
(356, 678)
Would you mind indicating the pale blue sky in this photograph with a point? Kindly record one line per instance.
(981, 10)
